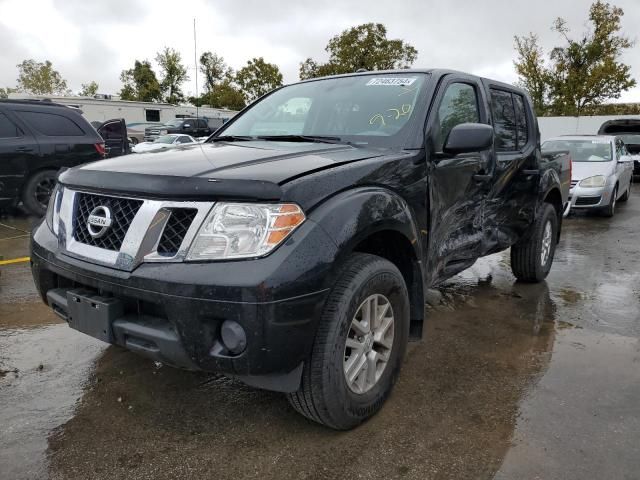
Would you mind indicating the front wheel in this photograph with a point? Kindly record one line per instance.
(531, 259)
(359, 346)
(610, 209)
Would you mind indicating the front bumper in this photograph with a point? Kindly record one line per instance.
(172, 312)
(590, 198)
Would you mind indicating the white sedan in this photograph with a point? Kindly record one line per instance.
(164, 142)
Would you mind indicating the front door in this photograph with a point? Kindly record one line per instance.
(457, 183)
(114, 134)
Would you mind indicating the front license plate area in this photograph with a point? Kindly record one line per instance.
(92, 314)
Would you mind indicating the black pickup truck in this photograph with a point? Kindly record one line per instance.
(293, 249)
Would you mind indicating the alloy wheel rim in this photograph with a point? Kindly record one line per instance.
(43, 191)
(369, 343)
(546, 243)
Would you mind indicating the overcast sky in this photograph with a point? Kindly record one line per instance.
(96, 40)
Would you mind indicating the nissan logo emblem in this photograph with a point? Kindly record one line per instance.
(99, 221)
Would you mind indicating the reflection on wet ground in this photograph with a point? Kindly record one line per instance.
(512, 381)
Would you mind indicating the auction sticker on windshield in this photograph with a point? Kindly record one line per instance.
(391, 81)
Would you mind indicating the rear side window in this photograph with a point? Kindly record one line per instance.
(522, 126)
(51, 124)
(509, 120)
(504, 120)
(202, 124)
(152, 115)
(8, 129)
(459, 105)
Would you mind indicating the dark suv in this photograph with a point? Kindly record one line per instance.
(37, 138)
(196, 127)
(292, 250)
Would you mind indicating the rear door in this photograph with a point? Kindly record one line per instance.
(114, 134)
(18, 150)
(510, 205)
(624, 170)
(456, 184)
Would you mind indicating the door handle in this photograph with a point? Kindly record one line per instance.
(531, 172)
(482, 178)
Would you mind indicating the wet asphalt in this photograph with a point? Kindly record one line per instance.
(511, 381)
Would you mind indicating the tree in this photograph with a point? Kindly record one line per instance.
(584, 73)
(531, 70)
(366, 47)
(258, 78)
(89, 89)
(40, 78)
(4, 92)
(227, 95)
(140, 83)
(214, 70)
(174, 74)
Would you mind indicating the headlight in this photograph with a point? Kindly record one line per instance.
(164, 132)
(52, 217)
(592, 182)
(240, 230)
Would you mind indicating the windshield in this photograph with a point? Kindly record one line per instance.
(165, 139)
(176, 122)
(359, 109)
(630, 139)
(583, 150)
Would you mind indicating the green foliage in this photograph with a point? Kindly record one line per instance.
(39, 78)
(227, 95)
(582, 74)
(140, 83)
(89, 89)
(258, 78)
(214, 69)
(364, 46)
(174, 74)
(4, 92)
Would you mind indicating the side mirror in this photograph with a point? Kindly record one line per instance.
(468, 137)
(625, 159)
(186, 125)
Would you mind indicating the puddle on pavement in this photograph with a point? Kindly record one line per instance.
(457, 398)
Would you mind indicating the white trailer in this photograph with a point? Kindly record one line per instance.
(137, 115)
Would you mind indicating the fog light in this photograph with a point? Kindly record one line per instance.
(233, 336)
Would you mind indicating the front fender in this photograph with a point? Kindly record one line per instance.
(352, 216)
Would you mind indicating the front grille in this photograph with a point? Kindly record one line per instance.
(587, 200)
(123, 210)
(175, 231)
(574, 183)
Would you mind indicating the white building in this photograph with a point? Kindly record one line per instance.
(137, 115)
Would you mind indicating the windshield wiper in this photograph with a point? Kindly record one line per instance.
(231, 138)
(303, 138)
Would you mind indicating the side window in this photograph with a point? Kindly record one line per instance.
(504, 121)
(459, 105)
(152, 115)
(7, 128)
(51, 124)
(184, 140)
(522, 126)
(202, 124)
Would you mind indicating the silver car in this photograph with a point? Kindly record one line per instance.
(602, 170)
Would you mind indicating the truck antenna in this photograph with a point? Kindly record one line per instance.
(195, 62)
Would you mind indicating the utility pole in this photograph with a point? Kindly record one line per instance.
(195, 62)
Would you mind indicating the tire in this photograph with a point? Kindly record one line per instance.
(626, 194)
(134, 140)
(37, 190)
(527, 262)
(325, 396)
(610, 209)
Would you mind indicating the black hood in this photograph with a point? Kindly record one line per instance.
(253, 169)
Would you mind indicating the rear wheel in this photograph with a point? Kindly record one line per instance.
(37, 191)
(359, 345)
(610, 209)
(531, 259)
